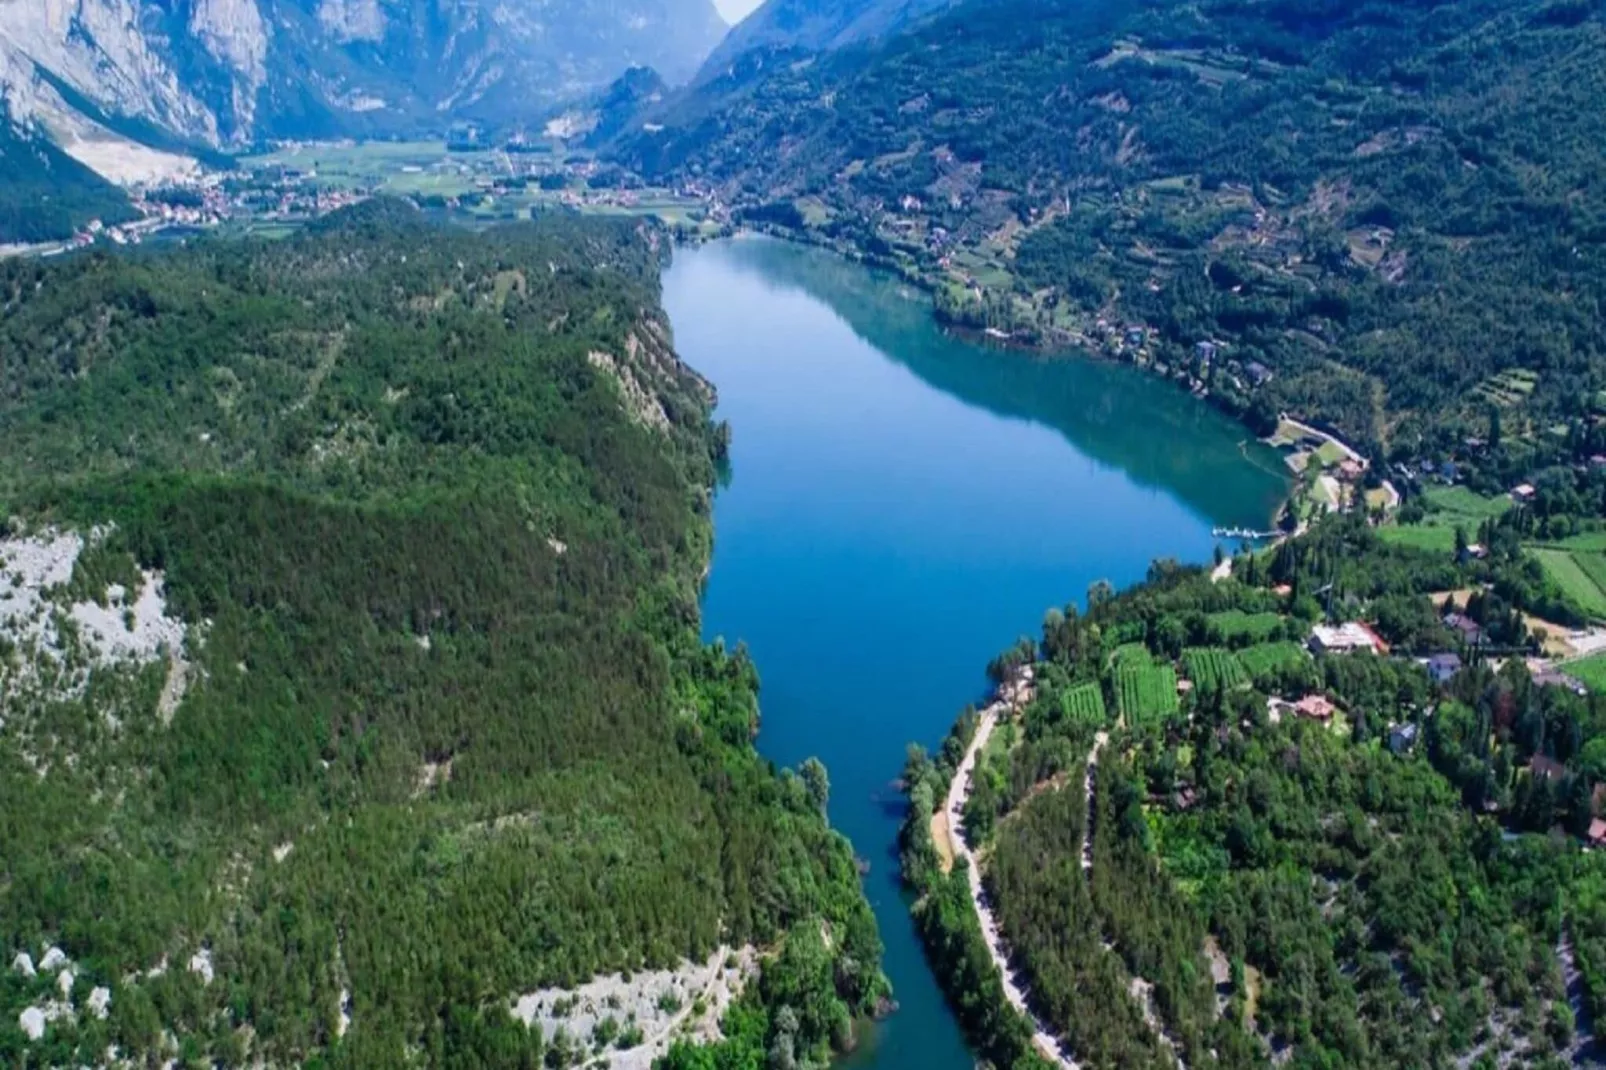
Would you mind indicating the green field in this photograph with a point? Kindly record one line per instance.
(1213, 668)
(1269, 657)
(1146, 695)
(1130, 656)
(1235, 625)
(398, 166)
(1593, 541)
(1440, 538)
(1571, 573)
(1084, 704)
(1590, 671)
(1458, 504)
(1330, 453)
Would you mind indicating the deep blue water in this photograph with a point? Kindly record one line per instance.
(903, 505)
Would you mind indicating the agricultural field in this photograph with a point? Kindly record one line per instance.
(1448, 509)
(1438, 538)
(1212, 668)
(1235, 625)
(1146, 695)
(401, 167)
(1084, 704)
(1509, 387)
(1264, 658)
(1581, 576)
(1590, 671)
(1130, 656)
(1459, 505)
(1588, 541)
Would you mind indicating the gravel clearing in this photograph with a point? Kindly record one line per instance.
(663, 1005)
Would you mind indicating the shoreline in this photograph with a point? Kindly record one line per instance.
(991, 338)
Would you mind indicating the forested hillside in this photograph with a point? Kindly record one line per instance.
(45, 194)
(1384, 203)
(1352, 859)
(352, 681)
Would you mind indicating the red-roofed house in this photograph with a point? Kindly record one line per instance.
(1315, 707)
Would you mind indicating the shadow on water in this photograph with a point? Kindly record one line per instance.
(1114, 414)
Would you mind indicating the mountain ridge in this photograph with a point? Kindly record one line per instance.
(1351, 196)
(233, 72)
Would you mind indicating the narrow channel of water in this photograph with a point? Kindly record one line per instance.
(903, 505)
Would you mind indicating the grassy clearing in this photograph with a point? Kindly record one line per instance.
(1435, 537)
(1235, 624)
(1563, 567)
(1459, 502)
(1263, 658)
(1330, 453)
(1130, 656)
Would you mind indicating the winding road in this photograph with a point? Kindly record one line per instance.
(1050, 1045)
(1053, 1047)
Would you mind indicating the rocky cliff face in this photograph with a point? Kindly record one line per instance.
(226, 72)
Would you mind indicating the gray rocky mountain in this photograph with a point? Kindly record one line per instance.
(129, 87)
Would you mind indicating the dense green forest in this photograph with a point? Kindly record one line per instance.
(1389, 873)
(432, 508)
(1386, 204)
(47, 195)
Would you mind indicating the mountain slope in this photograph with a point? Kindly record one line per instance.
(1387, 204)
(350, 679)
(814, 26)
(232, 71)
(46, 195)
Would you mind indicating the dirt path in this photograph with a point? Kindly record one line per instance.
(1047, 1043)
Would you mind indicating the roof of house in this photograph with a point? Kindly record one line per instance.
(1351, 635)
(1316, 707)
(1549, 768)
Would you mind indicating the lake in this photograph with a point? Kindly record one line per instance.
(903, 504)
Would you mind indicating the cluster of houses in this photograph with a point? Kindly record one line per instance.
(1357, 637)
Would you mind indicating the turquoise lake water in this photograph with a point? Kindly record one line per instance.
(902, 506)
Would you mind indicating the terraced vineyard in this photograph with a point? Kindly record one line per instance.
(1213, 668)
(1146, 695)
(1084, 704)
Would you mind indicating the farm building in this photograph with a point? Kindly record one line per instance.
(1346, 638)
